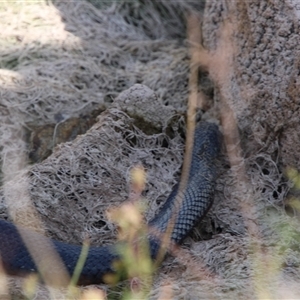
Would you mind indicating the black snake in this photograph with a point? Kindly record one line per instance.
(196, 201)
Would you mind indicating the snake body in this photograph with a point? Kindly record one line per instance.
(196, 201)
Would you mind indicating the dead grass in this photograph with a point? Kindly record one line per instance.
(58, 61)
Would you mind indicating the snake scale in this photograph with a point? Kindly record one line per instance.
(197, 200)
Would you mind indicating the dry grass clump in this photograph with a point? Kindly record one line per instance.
(65, 59)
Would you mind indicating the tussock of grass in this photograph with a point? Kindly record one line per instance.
(59, 59)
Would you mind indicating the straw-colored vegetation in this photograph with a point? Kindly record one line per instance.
(62, 61)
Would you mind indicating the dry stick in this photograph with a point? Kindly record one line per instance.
(196, 100)
(247, 206)
(48, 262)
(193, 36)
(219, 65)
(4, 291)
